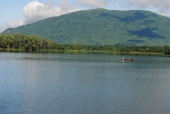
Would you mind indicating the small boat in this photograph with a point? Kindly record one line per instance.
(123, 58)
(128, 59)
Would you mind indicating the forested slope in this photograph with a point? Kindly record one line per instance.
(102, 27)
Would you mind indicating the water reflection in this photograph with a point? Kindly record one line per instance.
(84, 83)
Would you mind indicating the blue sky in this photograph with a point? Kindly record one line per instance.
(15, 13)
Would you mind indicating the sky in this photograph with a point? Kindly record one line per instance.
(14, 13)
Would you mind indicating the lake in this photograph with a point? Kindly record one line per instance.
(85, 83)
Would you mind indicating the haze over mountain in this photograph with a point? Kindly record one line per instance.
(102, 27)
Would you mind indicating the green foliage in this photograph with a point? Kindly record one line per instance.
(27, 42)
(145, 49)
(102, 27)
(33, 43)
(167, 50)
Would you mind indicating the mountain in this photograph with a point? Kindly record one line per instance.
(102, 27)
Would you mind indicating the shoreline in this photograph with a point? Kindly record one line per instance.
(78, 51)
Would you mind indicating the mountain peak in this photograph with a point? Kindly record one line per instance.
(102, 27)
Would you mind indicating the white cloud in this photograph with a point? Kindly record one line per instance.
(2, 28)
(162, 6)
(14, 24)
(93, 3)
(35, 11)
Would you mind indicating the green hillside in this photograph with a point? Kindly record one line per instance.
(102, 27)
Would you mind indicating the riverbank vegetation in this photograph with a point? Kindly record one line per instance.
(34, 43)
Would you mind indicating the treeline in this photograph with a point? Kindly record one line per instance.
(130, 49)
(145, 49)
(26, 42)
(33, 43)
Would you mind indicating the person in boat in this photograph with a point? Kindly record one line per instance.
(126, 59)
(123, 58)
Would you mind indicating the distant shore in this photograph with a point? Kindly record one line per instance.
(79, 51)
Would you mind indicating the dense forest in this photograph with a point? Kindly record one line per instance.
(34, 43)
(26, 42)
(102, 27)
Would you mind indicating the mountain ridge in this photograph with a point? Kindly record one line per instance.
(102, 27)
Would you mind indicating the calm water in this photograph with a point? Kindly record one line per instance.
(83, 84)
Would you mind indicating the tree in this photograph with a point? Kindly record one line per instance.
(167, 50)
